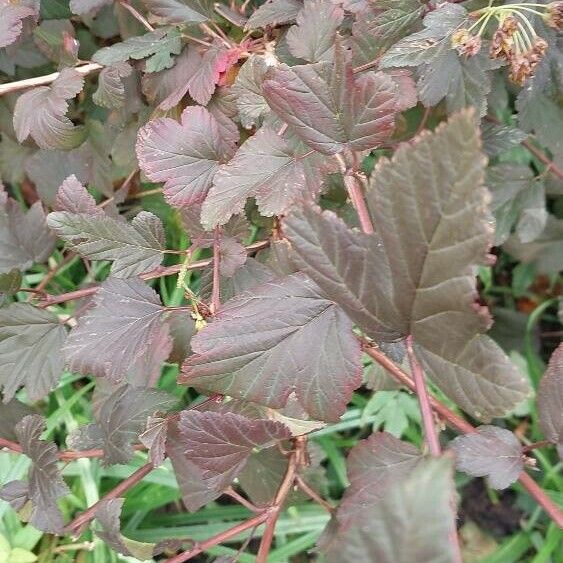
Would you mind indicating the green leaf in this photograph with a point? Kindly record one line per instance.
(157, 47)
(30, 350)
(545, 252)
(423, 46)
(379, 26)
(134, 248)
(251, 105)
(111, 88)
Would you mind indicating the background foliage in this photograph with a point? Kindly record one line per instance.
(196, 362)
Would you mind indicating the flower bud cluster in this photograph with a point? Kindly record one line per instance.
(515, 39)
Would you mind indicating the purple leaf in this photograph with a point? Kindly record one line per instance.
(280, 338)
(274, 171)
(185, 156)
(10, 414)
(312, 39)
(74, 198)
(122, 417)
(111, 88)
(45, 484)
(232, 255)
(154, 438)
(11, 20)
(120, 328)
(221, 443)
(48, 170)
(24, 237)
(30, 350)
(134, 248)
(550, 400)
(181, 11)
(195, 490)
(374, 465)
(434, 229)
(274, 12)
(41, 113)
(490, 452)
(345, 264)
(198, 75)
(417, 507)
(108, 514)
(84, 7)
(330, 108)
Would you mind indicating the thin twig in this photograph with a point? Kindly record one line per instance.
(241, 500)
(425, 410)
(215, 295)
(296, 459)
(153, 274)
(462, 426)
(65, 455)
(138, 16)
(44, 80)
(366, 66)
(311, 493)
(424, 120)
(77, 525)
(535, 445)
(206, 29)
(221, 537)
(551, 166)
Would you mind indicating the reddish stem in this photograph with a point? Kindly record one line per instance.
(357, 198)
(462, 426)
(215, 295)
(77, 525)
(423, 400)
(220, 538)
(156, 273)
(535, 445)
(66, 455)
(311, 493)
(551, 166)
(296, 458)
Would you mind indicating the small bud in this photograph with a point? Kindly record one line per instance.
(501, 45)
(520, 69)
(509, 25)
(554, 15)
(465, 43)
